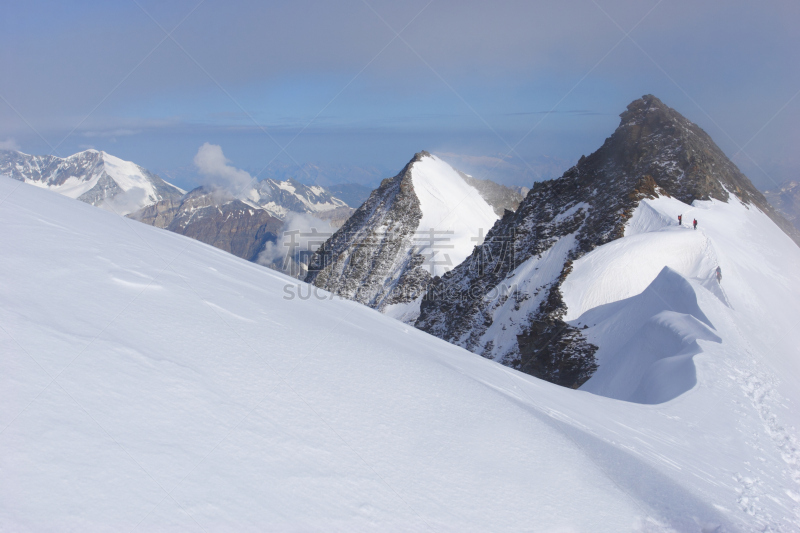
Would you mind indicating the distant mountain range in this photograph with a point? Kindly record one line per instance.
(241, 226)
(93, 177)
(681, 339)
(325, 175)
(257, 219)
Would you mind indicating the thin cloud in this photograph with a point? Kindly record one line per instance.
(216, 168)
(9, 144)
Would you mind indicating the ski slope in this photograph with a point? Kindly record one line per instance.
(151, 382)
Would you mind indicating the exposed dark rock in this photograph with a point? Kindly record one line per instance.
(336, 217)
(655, 150)
(371, 258)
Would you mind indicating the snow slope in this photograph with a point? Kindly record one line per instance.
(666, 327)
(453, 209)
(151, 382)
(455, 218)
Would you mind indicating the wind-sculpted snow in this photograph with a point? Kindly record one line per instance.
(150, 382)
(647, 341)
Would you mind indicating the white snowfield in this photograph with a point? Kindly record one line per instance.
(455, 219)
(150, 382)
(453, 209)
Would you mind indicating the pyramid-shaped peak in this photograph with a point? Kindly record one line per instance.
(419, 156)
(647, 102)
(652, 111)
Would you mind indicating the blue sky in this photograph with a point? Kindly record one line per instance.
(509, 90)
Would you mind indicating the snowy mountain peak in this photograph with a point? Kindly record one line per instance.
(282, 197)
(91, 176)
(655, 140)
(414, 227)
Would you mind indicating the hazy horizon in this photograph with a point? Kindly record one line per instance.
(511, 92)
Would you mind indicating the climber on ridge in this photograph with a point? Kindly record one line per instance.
(680, 220)
(719, 274)
(695, 223)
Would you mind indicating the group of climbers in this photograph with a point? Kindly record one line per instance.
(694, 225)
(680, 221)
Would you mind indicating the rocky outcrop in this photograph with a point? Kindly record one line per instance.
(411, 229)
(336, 217)
(505, 302)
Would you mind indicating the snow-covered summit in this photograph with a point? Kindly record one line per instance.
(414, 227)
(92, 176)
(451, 208)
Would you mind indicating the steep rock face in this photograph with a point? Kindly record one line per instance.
(226, 223)
(373, 251)
(93, 177)
(505, 302)
(414, 227)
(786, 199)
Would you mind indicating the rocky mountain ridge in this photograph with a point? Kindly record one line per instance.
(500, 197)
(505, 302)
(282, 197)
(243, 224)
